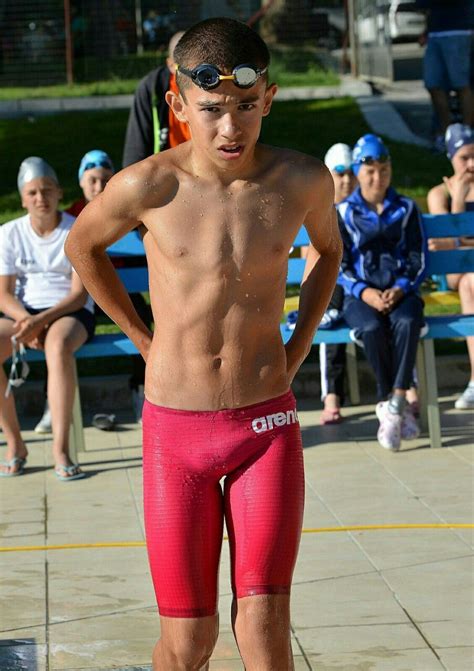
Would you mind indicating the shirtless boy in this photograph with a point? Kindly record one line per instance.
(220, 213)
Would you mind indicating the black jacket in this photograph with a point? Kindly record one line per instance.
(148, 125)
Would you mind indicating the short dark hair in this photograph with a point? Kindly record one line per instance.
(222, 42)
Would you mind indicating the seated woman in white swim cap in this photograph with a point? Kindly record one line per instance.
(45, 306)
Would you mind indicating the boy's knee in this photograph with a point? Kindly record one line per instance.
(190, 653)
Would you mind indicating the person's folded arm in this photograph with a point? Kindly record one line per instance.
(30, 326)
(9, 303)
(105, 220)
(321, 269)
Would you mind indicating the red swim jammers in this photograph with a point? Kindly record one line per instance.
(258, 450)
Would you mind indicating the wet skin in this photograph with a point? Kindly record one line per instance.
(220, 213)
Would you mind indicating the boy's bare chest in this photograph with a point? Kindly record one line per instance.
(222, 224)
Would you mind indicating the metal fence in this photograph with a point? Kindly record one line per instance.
(55, 41)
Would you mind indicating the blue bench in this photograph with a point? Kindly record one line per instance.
(459, 260)
(455, 326)
(135, 280)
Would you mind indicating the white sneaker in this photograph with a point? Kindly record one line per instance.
(138, 398)
(389, 434)
(409, 429)
(466, 401)
(44, 425)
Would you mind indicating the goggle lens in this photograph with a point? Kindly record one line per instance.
(97, 164)
(370, 160)
(342, 170)
(208, 77)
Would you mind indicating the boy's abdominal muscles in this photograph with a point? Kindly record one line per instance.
(215, 359)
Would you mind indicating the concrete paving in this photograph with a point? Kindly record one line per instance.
(363, 600)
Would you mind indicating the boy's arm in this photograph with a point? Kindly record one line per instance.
(107, 218)
(321, 270)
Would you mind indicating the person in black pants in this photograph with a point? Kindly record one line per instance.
(332, 358)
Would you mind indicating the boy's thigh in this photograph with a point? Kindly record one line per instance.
(264, 503)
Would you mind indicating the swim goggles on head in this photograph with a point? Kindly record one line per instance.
(208, 77)
(17, 375)
(370, 160)
(343, 170)
(97, 164)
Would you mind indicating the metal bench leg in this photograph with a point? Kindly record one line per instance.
(421, 374)
(76, 433)
(351, 367)
(431, 393)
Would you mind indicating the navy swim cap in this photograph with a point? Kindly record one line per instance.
(457, 135)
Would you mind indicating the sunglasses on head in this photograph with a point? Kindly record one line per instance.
(208, 77)
(370, 160)
(97, 164)
(343, 170)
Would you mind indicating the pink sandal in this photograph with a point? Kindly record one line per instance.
(331, 416)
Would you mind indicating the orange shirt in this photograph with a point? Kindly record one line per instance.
(178, 131)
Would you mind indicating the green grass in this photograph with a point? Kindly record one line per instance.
(310, 126)
(97, 88)
(94, 77)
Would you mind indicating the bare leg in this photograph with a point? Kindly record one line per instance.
(8, 417)
(466, 104)
(64, 337)
(466, 294)
(186, 644)
(332, 402)
(262, 630)
(440, 101)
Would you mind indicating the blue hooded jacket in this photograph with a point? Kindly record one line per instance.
(384, 250)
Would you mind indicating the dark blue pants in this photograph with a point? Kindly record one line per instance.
(390, 341)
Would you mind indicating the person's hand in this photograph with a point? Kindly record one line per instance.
(458, 185)
(423, 39)
(441, 244)
(373, 297)
(29, 328)
(391, 297)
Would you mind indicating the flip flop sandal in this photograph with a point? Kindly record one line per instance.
(331, 416)
(103, 422)
(16, 461)
(74, 470)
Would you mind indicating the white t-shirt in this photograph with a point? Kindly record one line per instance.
(43, 271)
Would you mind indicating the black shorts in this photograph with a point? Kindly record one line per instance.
(84, 316)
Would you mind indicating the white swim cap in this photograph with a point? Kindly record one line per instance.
(32, 168)
(339, 157)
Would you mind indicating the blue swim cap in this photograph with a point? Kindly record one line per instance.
(366, 148)
(457, 135)
(96, 158)
(32, 168)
